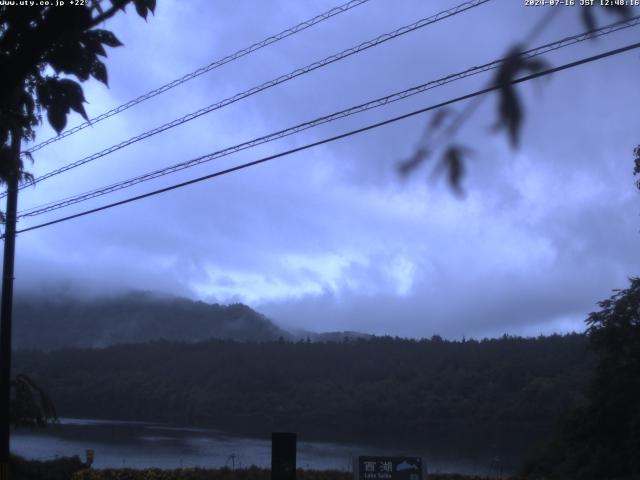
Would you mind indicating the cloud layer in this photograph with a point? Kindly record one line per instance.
(332, 238)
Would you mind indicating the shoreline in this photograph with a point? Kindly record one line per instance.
(72, 468)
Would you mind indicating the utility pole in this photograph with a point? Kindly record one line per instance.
(6, 307)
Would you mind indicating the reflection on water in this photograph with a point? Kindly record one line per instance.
(141, 445)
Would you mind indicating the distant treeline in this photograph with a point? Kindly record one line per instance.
(383, 387)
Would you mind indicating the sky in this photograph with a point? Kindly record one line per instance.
(333, 238)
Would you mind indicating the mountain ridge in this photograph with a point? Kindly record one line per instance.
(64, 321)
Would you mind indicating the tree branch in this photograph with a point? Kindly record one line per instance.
(107, 14)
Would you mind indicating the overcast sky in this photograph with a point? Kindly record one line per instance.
(332, 238)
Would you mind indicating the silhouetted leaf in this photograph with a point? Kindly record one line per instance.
(534, 65)
(72, 59)
(510, 114)
(409, 165)
(120, 5)
(80, 59)
(452, 161)
(58, 96)
(106, 37)
(588, 13)
(143, 7)
(92, 41)
(438, 117)
(57, 117)
(27, 178)
(72, 93)
(588, 20)
(99, 72)
(27, 154)
(636, 169)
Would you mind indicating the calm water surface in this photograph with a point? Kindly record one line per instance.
(140, 445)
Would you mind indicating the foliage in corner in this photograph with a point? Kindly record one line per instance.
(601, 438)
(40, 49)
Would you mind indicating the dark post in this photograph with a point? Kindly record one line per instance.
(6, 309)
(283, 456)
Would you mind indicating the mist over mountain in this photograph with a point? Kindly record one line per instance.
(134, 317)
(59, 321)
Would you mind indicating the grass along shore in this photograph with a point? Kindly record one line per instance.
(72, 468)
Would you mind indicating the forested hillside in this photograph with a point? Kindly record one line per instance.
(57, 322)
(381, 388)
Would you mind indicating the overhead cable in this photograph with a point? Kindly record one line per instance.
(272, 83)
(543, 49)
(337, 137)
(202, 70)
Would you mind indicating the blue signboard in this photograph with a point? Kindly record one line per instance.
(389, 468)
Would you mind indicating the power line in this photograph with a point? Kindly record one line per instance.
(272, 83)
(202, 70)
(338, 137)
(562, 43)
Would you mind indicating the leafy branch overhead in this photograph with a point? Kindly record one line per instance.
(509, 110)
(41, 50)
(589, 19)
(58, 96)
(510, 114)
(452, 161)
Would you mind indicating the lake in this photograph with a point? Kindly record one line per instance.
(141, 445)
